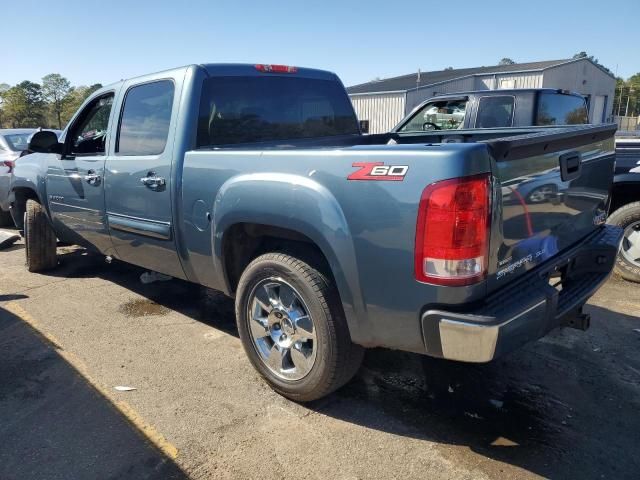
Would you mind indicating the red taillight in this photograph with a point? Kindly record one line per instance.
(275, 68)
(452, 233)
(10, 164)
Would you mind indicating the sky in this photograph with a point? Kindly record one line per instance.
(102, 42)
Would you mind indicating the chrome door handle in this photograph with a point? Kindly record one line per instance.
(92, 178)
(152, 181)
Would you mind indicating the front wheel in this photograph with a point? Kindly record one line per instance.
(39, 239)
(628, 259)
(293, 329)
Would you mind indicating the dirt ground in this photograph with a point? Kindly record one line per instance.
(567, 406)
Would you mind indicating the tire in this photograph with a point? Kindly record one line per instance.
(5, 219)
(627, 217)
(39, 239)
(330, 358)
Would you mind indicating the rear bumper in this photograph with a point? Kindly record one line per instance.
(527, 309)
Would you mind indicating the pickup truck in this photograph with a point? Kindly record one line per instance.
(520, 107)
(625, 206)
(255, 180)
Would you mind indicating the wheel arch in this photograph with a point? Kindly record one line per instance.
(258, 212)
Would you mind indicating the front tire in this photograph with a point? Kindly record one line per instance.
(39, 239)
(628, 260)
(293, 328)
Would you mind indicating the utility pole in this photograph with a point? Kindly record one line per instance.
(626, 112)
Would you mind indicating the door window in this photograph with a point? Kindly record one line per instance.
(89, 133)
(146, 114)
(438, 115)
(495, 112)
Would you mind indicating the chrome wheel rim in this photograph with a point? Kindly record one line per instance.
(541, 194)
(630, 247)
(282, 329)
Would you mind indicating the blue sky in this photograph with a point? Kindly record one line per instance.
(91, 42)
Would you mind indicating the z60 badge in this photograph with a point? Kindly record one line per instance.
(378, 171)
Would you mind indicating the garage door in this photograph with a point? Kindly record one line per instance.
(597, 110)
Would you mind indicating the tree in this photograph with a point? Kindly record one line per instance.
(75, 98)
(3, 88)
(55, 89)
(23, 105)
(507, 61)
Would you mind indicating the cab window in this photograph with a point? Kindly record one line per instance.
(438, 115)
(88, 134)
(495, 111)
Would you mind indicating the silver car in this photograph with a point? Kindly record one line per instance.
(12, 143)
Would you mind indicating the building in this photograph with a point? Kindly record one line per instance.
(385, 102)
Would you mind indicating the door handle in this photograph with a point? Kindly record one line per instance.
(153, 181)
(570, 166)
(92, 178)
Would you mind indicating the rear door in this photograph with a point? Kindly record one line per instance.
(75, 179)
(554, 191)
(138, 180)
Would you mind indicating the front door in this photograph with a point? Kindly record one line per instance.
(138, 175)
(75, 179)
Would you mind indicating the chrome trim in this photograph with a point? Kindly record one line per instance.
(473, 342)
(139, 226)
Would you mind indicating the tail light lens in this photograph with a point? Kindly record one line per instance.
(275, 68)
(10, 164)
(452, 234)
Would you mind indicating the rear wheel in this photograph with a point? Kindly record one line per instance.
(628, 259)
(293, 329)
(39, 239)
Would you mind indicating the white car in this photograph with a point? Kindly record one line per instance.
(12, 143)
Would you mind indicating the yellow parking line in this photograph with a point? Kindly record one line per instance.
(123, 407)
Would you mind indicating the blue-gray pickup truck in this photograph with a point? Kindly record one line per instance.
(255, 180)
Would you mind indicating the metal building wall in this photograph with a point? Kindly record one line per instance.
(382, 110)
(417, 96)
(509, 80)
(587, 79)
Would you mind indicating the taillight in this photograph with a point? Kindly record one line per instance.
(275, 68)
(10, 164)
(452, 233)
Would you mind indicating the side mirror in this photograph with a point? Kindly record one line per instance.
(364, 126)
(45, 142)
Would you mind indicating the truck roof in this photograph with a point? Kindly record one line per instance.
(238, 69)
(507, 91)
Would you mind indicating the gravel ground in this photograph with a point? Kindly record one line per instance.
(567, 406)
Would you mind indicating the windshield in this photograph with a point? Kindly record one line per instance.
(18, 142)
(261, 109)
(442, 115)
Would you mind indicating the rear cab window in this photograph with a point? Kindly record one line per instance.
(438, 115)
(495, 111)
(241, 110)
(561, 109)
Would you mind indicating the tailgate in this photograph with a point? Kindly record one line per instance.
(553, 190)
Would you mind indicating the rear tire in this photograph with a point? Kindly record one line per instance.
(310, 318)
(39, 239)
(5, 219)
(627, 264)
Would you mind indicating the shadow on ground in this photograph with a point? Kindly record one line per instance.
(54, 425)
(564, 407)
